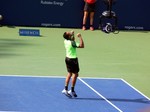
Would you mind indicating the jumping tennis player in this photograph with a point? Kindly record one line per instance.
(71, 61)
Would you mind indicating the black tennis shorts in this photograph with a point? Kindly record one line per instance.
(89, 7)
(72, 65)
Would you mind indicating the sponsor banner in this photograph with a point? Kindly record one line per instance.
(29, 32)
(55, 3)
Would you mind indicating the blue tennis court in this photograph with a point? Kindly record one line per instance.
(43, 94)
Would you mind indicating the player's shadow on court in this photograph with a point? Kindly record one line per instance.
(140, 100)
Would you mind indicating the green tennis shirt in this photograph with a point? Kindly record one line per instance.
(71, 48)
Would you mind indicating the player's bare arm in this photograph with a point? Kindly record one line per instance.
(81, 41)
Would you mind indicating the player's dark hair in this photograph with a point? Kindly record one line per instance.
(66, 36)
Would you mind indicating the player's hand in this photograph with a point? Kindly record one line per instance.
(72, 32)
(79, 35)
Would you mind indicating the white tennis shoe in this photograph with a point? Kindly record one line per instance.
(72, 93)
(65, 92)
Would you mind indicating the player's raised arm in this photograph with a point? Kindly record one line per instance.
(81, 41)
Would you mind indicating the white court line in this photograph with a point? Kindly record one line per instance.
(100, 95)
(10, 111)
(32, 76)
(135, 89)
(55, 76)
(100, 78)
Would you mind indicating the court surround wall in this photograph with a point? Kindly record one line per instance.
(132, 14)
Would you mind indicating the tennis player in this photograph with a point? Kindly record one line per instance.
(71, 61)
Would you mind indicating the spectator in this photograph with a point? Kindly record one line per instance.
(89, 10)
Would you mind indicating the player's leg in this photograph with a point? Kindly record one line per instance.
(65, 91)
(69, 69)
(68, 77)
(74, 79)
(74, 76)
(67, 80)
